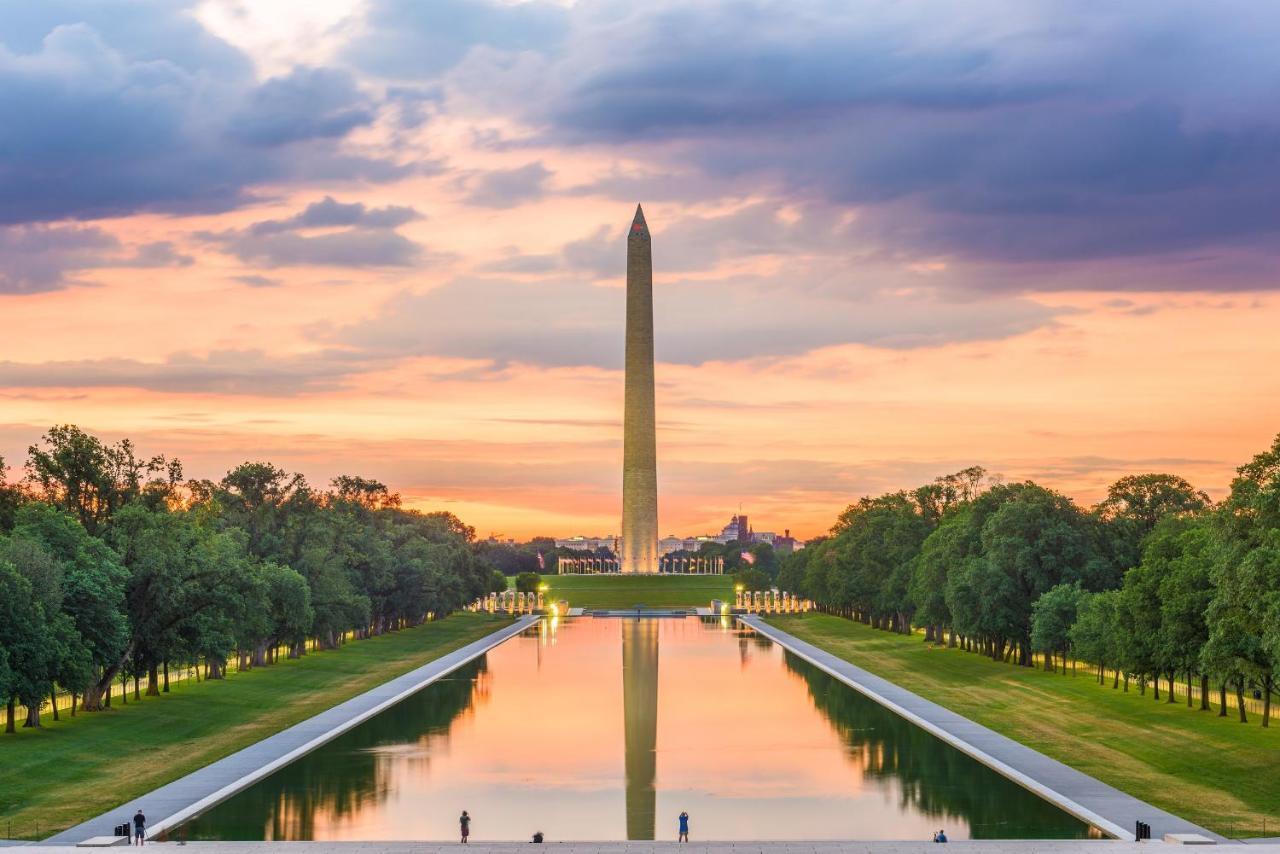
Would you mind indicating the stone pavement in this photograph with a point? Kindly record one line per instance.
(1105, 807)
(173, 803)
(781, 847)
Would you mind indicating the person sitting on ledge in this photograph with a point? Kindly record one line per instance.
(537, 836)
(940, 836)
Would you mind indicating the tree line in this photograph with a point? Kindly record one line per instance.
(1155, 583)
(113, 567)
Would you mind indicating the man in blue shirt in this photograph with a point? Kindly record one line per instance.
(684, 827)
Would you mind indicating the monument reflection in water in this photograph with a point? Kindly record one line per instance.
(542, 734)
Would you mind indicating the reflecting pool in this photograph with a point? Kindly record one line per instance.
(609, 728)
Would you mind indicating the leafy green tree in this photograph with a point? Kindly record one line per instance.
(1245, 605)
(751, 579)
(1052, 617)
(27, 640)
(791, 572)
(1184, 550)
(873, 543)
(92, 583)
(10, 499)
(1135, 504)
(1093, 635)
(497, 582)
(527, 582)
(92, 480)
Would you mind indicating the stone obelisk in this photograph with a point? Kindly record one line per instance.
(639, 439)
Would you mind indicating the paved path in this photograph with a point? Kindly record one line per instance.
(1000, 846)
(174, 803)
(1105, 807)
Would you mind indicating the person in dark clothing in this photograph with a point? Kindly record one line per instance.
(537, 836)
(139, 828)
(684, 827)
(940, 836)
(464, 821)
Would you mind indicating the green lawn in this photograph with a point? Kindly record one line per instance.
(1214, 771)
(79, 767)
(624, 591)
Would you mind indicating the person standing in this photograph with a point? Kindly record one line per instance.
(464, 821)
(139, 828)
(684, 827)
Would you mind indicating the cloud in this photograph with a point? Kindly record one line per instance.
(561, 323)
(224, 372)
(37, 258)
(504, 188)
(413, 40)
(307, 103)
(140, 109)
(365, 237)
(996, 132)
(254, 280)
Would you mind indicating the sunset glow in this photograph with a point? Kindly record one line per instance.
(373, 239)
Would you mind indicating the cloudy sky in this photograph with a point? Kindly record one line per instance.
(892, 239)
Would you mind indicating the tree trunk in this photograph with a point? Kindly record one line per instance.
(1172, 698)
(153, 680)
(93, 696)
(73, 704)
(8, 724)
(1189, 686)
(1116, 682)
(1222, 699)
(1266, 701)
(1244, 719)
(1126, 682)
(1204, 692)
(33, 716)
(1155, 687)
(166, 676)
(53, 702)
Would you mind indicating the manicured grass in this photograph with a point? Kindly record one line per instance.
(1214, 771)
(79, 767)
(624, 591)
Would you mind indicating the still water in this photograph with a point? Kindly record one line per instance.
(609, 728)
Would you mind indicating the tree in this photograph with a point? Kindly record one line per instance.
(1245, 606)
(92, 480)
(10, 499)
(1135, 504)
(25, 636)
(528, 582)
(1093, 635)
(1185, 549)
(1052, 617)
(92, 585)
(873, 543)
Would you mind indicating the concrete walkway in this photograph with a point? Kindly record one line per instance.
(995, 846)
(1103, 806)
(174, 803)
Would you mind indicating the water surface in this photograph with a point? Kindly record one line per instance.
(609, 728)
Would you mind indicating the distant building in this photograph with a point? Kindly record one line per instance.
(737, 529)
(588, 544)
(786, 543)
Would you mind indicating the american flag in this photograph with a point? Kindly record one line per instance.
(542, 564)
(749, 558)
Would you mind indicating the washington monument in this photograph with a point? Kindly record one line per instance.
(639, 439)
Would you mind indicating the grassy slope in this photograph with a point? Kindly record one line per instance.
(1214, 771)
(82, 766)
(623, 591)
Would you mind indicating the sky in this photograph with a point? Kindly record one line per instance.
(891, 239)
